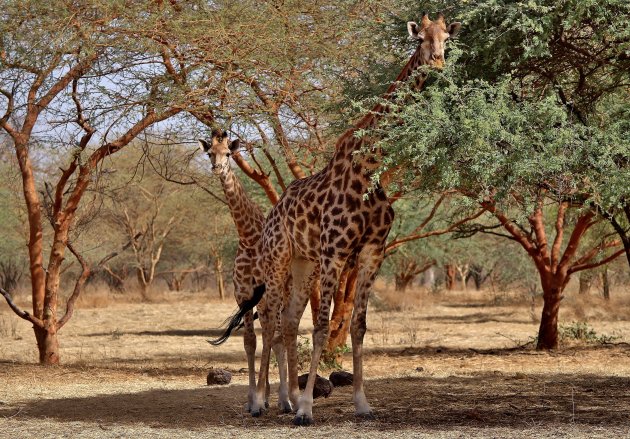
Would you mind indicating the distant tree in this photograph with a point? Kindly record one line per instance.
(57, 68)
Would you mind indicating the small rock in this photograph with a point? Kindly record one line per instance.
(218, 376)
(340, 378)
(323, 387)
(420, 369)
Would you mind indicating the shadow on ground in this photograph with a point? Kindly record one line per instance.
(483, 400)
(210, 333)
(479, 317)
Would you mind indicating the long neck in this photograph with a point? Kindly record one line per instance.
(348, 143)
(247, 216)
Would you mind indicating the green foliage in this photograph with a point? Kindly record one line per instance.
(332, 360)
(581, 331)
(533, 96)
(477, 137)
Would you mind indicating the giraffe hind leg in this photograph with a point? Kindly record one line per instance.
(330, 273)
(249, 342)
(370, 261)
(302, 273)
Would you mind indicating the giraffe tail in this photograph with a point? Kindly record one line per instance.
(233, 322)
(242, 324)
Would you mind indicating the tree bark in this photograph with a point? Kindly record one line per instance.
(342, 312)
(143, 283)
(586, 278)
(605, 284)
(47, 345)
(463, 271)
(449, 274)
(218, 272)
(315, 301)
(548, 331)
(403, 280)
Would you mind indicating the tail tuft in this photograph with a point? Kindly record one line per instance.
(234, 322)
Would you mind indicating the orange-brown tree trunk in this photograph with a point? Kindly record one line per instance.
(548, 331)
(47, 345)
(342, 313)
(315, 301)
(403, 280)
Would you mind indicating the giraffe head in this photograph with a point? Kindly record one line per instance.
(432, 36)
(219, 149)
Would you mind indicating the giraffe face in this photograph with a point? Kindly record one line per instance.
(219, 149)
(432, 36)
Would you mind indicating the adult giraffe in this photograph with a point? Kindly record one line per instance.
(327, 221)
(249, 220)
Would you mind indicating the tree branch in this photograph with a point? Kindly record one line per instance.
(581, 267)
(20, 313)
(557, 242)
(400, 241)
(85, 274)
(537, 222)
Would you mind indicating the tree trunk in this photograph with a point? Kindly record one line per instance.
(605, 284)
(47, 345)
(143, 283)
(342, 313)
(463, 275)
(476, 272)
(449, 274)
(218, 272)
(429, 278)
(403, 280)
(315, 301)
(548, 331)
(586, 278)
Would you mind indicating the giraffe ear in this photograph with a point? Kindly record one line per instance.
(414, 31)
(453, 29)
(203, 145)
(235, 145)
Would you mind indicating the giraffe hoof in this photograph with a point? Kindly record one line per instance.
(303, 420)
(266, 404)
(285, 406)
(256, 413)
(368, 416)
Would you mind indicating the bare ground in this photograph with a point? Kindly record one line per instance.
(446, 369)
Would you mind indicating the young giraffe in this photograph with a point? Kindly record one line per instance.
(327, 221)
(249, 220)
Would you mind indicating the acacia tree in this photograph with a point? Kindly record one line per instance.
(272, 74)
(56, 74)
(528, 127)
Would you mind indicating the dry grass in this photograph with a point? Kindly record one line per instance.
(438, 365)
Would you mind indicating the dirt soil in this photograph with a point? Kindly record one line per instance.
(439, 368)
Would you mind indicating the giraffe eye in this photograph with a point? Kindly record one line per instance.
(228, 154)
